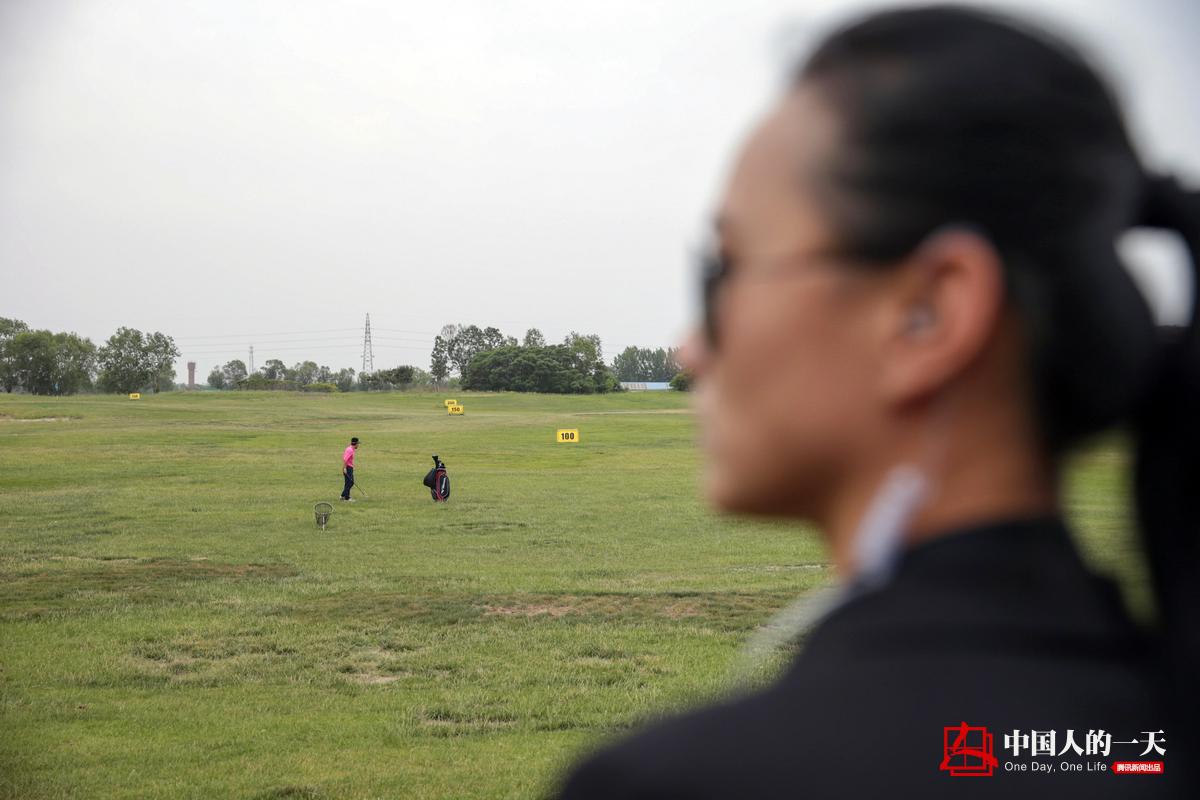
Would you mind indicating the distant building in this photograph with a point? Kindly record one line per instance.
(645, 387)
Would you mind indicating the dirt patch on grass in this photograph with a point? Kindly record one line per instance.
(720, 608)
(487, 526)
(726, 611)
(36, 419)
(448, 722)
(376, 665)
(671, 609)
(302, 792)
(375, 608)
(67, 589)
(769, 568)
(176, 570)
(529, 610)
(95, 559)
(370, 679)
(210, 659)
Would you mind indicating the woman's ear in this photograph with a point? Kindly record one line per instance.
(942, 310)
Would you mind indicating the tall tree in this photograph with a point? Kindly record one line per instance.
(8, 329)
(344, 378)
(588, 347)
(11, 327)
(161, 353)
(588, 353)
(74, 363)
(216, 378)
(130, 361)
(534, 338)
(627, 364)
(305, 372)
(274, 370)
(439, 361)
(125, 362)
(461, 343)
(671, 366)
(462, 348)
(33, 361)
(493, 338)
(235, 372)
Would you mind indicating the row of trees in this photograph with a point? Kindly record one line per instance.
(457, 345)
(274, 374)
(574, 367)
(485, 359)
(642, 364)
(44, 362)
(308, 376)
(48, 363)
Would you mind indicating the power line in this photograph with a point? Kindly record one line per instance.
(323, 341)
(351, 341)
(425, 342)
(260, 335)
(397, 330)
(236, 349)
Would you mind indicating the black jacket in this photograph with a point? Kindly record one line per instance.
(1000, 626)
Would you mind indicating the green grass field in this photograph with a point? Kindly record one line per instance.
(173, 624)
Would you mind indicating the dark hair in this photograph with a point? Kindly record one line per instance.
(353, 440)
(955, 116)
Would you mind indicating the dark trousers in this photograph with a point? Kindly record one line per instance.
(349, 483)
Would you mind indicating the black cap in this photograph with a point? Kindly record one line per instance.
(353, 440)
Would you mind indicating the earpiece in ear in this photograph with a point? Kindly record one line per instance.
(920, 319)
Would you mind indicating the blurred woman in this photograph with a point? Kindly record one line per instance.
(914, 310)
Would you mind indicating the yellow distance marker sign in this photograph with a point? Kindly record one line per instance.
(135, 395)
(455, 410)
(449, 403)
(568, 435)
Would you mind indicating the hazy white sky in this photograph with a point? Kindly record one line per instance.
(266, 172)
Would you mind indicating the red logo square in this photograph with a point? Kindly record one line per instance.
(967, 751)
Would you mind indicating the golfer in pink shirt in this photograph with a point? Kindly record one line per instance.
(348, 469)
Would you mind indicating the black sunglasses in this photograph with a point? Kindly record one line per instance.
(713, 269)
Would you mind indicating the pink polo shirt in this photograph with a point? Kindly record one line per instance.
(348, 456)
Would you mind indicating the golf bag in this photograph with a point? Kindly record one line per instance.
(438, 481)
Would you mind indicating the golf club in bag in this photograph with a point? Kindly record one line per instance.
(438, 481)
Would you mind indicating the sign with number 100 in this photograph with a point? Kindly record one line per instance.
(570, 435)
